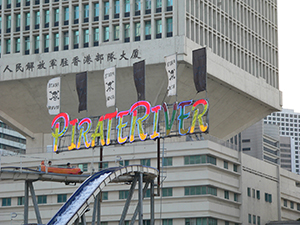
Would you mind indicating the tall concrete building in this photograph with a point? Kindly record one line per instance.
(262, 141)
(289, 123)
(205, 182)
(11, 142)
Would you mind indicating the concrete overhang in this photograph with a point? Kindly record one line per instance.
(237, 99)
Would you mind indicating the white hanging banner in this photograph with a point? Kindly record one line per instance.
(53, 96)
(171, 68)
(109, 84)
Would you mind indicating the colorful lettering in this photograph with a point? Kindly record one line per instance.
(133, 110)
(109, 116)
(202, 127)
(56, 123)
(83, 133)
(169, 123)
(73, 145)
(98, 133)
(155, 110)
(121, 125)
(183, 116)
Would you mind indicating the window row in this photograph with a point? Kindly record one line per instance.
(86, 38)
(166, 161)
(253, 219)
(263, 64)
(8, 3)
(291, 205)
(43, 19)
(12, 138)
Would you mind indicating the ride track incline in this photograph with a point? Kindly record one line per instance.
(79, 201)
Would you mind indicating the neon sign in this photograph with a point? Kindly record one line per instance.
(85, 135)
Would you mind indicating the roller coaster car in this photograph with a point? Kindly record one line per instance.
(60, 170)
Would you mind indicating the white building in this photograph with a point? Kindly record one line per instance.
(48, 38)
(289, 123)
(11, 142)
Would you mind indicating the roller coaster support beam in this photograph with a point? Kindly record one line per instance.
(141, 199)
(26, 201)
(36, 208)
(138, 206)
(128, 200)
(96, 210)
(152, 203)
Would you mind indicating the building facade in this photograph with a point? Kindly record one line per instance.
(289, 123)
(203, 182)
(11, 142)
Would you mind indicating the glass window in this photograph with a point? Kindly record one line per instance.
(86, 36)
(235, 168)
(168, 161)
(249, 192)
(66, 14)
(167, 222)
(106, 33)
(37, 17)
(137, 5)
(1, 22)
(46, 16)
(56, 41)
(96, 9)
(158, 27)
(167, 192)
(117, 6)
(145, 162)
(36, 42)
(96, 34)
(56, 15)
(200, 190)
(42, 199)
(254, 219)
(235, 197)
(106, 8)
(169, 25)
(18, 20)
(123, 194)
(27, 45)
(158, 3)
(226, 194)
(116, 32)
(225, 164)
(104, 195)
(61, 198)
(66, 38)
(127, 5)
(124, 163)
(169, 2)
(8, 22)
(127, 30)
(148, 28)
(76, 12)
(148, 4)
(258, 220)
(21, 200)
(6, 201)
(86, 11)
(258, 194)
(76, 37)
(46, 41)
(292, 205)
(137, 29)
(249, 218)
(83, 166)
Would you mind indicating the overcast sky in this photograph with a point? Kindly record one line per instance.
(289, 48)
